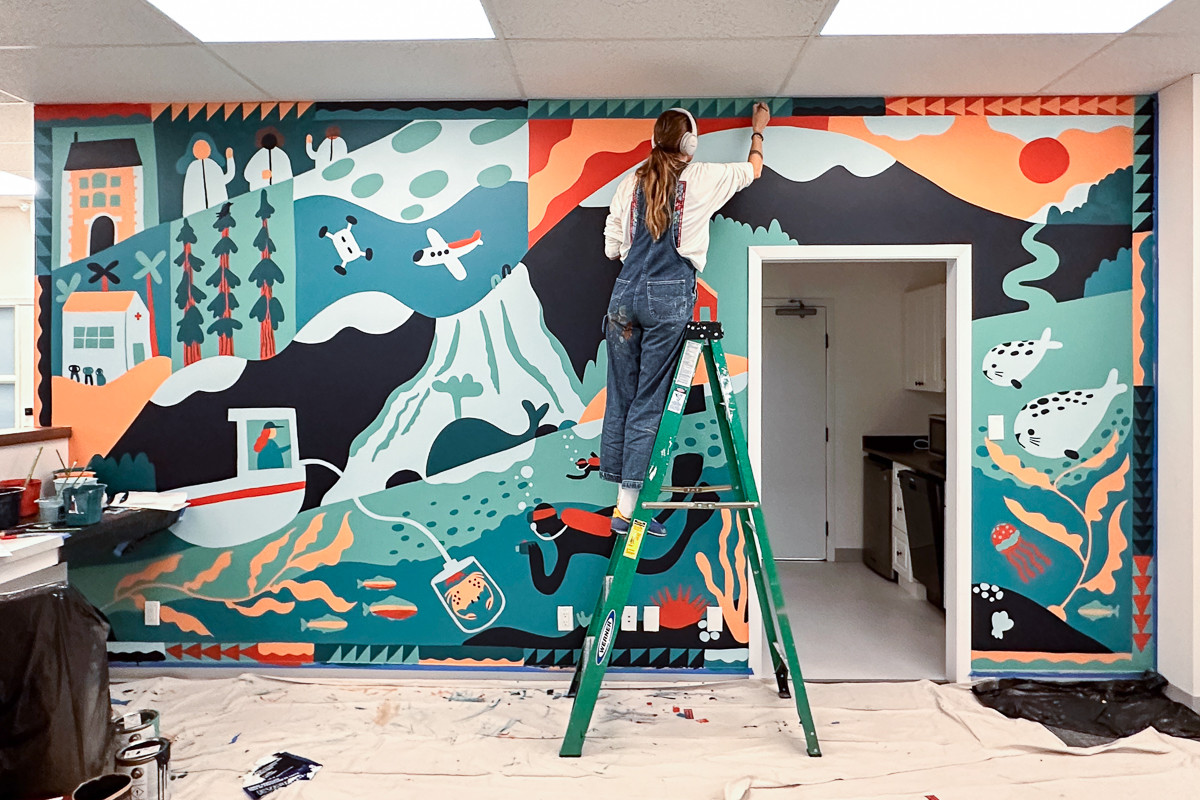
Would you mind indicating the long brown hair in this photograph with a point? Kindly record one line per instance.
(660, 171)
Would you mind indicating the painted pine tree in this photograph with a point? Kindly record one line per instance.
(268, 310)
(188, 295)
(224, 303)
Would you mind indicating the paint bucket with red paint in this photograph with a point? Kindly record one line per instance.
(31, 493)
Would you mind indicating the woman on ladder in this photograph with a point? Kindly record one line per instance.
(658, 226)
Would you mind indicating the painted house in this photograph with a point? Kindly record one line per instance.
(102, 196)
(109, 331)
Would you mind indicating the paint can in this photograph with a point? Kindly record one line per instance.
(136, 726)
(106, 787)
(148, 763)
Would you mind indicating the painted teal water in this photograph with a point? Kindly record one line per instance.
(367, 185)
(1045, 263)
(338, 169)
(415, 136)
(495, 176)
(428, 184)
(495, 130)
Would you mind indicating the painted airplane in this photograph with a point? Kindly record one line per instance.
(441, 253)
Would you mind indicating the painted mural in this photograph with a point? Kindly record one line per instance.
(366, 340)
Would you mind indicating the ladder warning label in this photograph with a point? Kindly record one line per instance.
(687, 364)
(678, 398)
(635, 539)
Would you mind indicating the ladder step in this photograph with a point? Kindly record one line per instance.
(702, 505)
(694, 489)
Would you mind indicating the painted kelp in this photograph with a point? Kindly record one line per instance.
(366, 339)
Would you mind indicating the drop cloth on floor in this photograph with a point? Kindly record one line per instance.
(500, 740)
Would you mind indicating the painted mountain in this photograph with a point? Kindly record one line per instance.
(494, 379)
(838, 206)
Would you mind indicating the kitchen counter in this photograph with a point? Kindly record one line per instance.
(899, 449)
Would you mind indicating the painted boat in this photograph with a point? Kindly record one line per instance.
(267, 491)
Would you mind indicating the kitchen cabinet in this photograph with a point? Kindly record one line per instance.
(924, 316)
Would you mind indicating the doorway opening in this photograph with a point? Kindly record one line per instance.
(776, 473)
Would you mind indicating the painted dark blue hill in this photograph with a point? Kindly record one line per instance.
(318, 380)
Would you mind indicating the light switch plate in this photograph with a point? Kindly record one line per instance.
(629, 618)
(716, 622)
(152, 613)
(995, 427)
(650, 618)
(566, 618)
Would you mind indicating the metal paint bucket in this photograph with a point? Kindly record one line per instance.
(136, 726)
(148, 763)
(106, 787)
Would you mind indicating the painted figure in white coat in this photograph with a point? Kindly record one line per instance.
(332, 148)
(204, 182)
(270, 165)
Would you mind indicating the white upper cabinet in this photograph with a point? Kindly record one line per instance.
(925, 339)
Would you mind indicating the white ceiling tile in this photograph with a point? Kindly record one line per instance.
(464, 70)
(660, 19)
(936, 65)
(730, 68)
(87, 22)
(1133, 65)
(121, 75)
(1181, 16)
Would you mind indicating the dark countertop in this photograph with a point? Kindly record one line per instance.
(900, 450)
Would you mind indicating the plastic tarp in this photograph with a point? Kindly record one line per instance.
(1104, 708)
(54, 705)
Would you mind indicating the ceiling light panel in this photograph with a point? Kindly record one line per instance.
(326, 21)
(943, 17)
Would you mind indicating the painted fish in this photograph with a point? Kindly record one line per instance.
(391, 608)
(378, 582)
(1096, 610)
(326, 624)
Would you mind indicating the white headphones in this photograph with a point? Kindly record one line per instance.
(689, 140)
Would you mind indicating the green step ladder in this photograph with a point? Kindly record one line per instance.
(701, 338)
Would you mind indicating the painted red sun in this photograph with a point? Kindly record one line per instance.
(1044, 160)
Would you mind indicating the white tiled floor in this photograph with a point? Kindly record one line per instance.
(851, 624)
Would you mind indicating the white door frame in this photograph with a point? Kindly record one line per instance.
(957, 258)
(830, 399)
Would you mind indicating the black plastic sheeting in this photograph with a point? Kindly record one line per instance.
(1102, 708)
(54, 705)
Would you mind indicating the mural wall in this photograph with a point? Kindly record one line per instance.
(366, 340)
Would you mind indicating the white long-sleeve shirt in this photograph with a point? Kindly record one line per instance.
(327, 152)
(703, 189)
(204, 184)
(268, 167)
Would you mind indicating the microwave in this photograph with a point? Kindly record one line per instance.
(937, 435)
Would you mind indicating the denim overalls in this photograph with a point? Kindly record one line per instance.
(651, 303)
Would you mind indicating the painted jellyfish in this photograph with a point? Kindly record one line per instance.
(1022, 554)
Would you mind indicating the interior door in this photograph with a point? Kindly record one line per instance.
(793, 434)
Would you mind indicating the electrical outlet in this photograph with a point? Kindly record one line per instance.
(629, 618)
(566, 618)
(152, 615)
(650, 618)
(995, 427)
(716, 622)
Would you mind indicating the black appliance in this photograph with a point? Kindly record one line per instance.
(877, 515)
(924, 514)
(937, 435)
